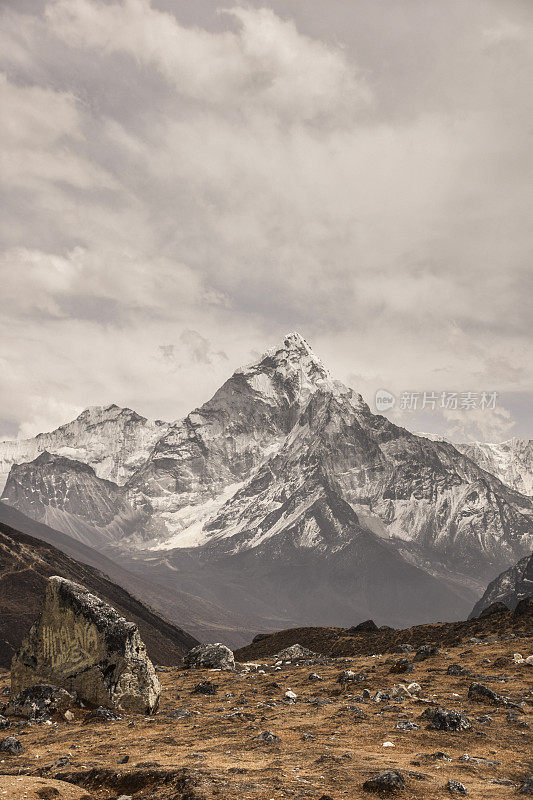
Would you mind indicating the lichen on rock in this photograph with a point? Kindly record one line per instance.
(84, 646)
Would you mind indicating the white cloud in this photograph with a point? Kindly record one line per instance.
(39, 128)
(173, 185)
(266, 63)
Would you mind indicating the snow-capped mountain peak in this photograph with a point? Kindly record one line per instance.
(292, 369)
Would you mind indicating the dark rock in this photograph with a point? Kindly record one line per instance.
(205, 687)
(425, 651)
(443, 719)
(402, 665)
(11, 745)
(524, 606)
(267, 736)
(210, 656)
(455, 669)
(405, 648)
(4, 723)
(101, 714)
(39, 701)
(407, 726)
(494, 608)
(455, 787)
(482, 694)
(259, 637)
(389, 780)
(527, 786)
(368, 626)
(84, 646)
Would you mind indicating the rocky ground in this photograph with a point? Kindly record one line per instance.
(249, 739)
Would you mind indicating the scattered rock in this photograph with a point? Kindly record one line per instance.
(407, 726)
(455, 787)
(390, 780)
(101, 714)
(295, 653)
(349, 676)
(11, 745)
(4, 723)
(83, 645)
(414, 688)
(425, 651)
(402, 665)
(479, 760)
(210, 656)
(455, 669)
(290, 695)
(527, 786)
(405, 648)
(443, 719)
(267, 736)
(314, 677)
(205, 687)
(400, 690)
(39, 701)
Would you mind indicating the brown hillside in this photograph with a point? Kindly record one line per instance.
(26, 564)
(339, 641)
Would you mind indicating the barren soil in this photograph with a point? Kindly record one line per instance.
(326, 747)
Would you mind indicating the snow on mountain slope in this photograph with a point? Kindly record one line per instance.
(217, 446)
(68, 496)
(310, 559)
(114, 441)
(441, 511)
(510, 461)
(510, 587)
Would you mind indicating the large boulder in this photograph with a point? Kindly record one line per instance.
(295, 653)
(210, 656)
(39, 701)
(84, 646)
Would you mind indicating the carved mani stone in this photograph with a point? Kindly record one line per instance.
(83, 645)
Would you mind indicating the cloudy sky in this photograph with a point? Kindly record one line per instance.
(184, 183)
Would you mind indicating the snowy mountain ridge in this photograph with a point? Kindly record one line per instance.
(286, 469)
(112, 440)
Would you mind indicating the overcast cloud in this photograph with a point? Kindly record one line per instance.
(185, 183)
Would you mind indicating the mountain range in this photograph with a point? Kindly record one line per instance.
(283, 499)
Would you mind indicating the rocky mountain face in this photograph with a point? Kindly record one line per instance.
(203, 459)
(114, 441)
(67, 495)
(510, 587)
(26, 564)
(510, 461)
(284, 494)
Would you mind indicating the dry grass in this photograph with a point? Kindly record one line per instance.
(222, 760)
